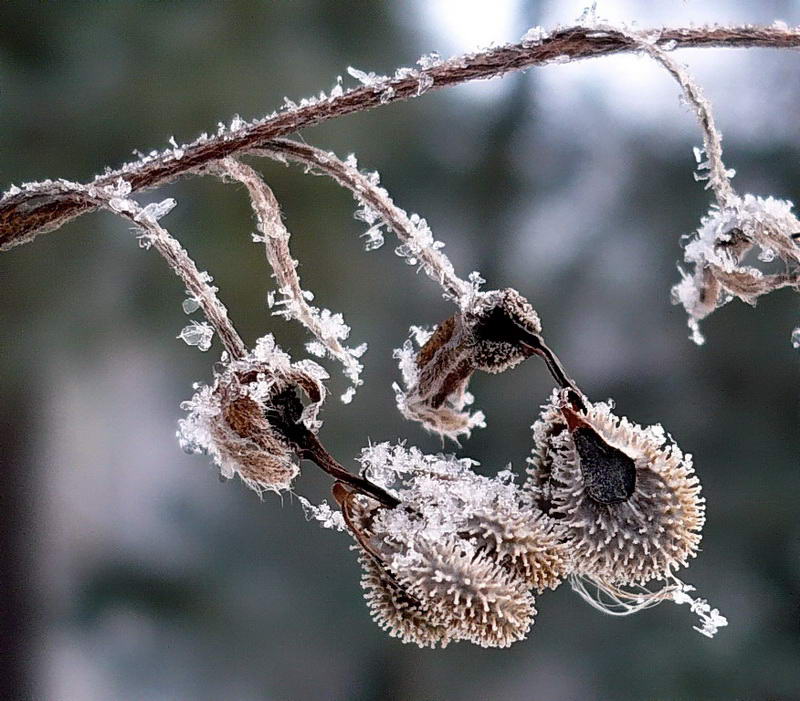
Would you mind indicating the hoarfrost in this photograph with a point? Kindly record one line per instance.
(197, 333)
(796, 337)
(190, 305)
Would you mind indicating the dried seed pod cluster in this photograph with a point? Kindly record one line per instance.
(627, 498)
(494, 331)
(458, 558)
(244, 419)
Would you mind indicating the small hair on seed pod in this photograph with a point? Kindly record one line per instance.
(493, 332)
(627, 498)
(523, 540)
(245, 419)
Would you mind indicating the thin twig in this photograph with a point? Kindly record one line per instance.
(718, 176)
(276, 242)
(23, 214)
(435, 263)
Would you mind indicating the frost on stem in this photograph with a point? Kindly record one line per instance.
(494, 331)
(732, 228)
(328, 327)
(628, 499)
(457, 558)
(244, 419)
(722, 250)
(377, 209)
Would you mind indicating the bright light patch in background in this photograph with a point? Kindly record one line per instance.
(461, 26)
(471, 24)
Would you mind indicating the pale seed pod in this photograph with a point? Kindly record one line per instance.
(473, 596)
(397, 612)
(627, 498)
(524, 541)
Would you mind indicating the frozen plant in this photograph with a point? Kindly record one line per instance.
(610, 506)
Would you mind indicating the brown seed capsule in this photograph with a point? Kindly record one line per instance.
(496, 332)
(248, 419)
(628, 500)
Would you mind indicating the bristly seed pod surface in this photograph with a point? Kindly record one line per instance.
(622, 525)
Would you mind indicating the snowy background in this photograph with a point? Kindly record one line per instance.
(129, 572)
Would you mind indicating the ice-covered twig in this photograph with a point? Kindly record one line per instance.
(418, 244)
(328, 328)
(116, 199)
(25, 213)
(718, 175)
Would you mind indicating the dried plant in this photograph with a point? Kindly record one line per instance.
(449, 554)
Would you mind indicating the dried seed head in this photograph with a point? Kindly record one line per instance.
(396, 611)
(467, 574)
(473, 596)
(629, 500)
(524, 541)
(495, 331)
(725, 237)
(436, 379)
(246, 420)
(500, 323)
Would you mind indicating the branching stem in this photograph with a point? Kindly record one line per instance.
(23, 214)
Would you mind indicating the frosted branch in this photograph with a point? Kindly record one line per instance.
(418, 244)
(718, 175)
(115, 198)
(26, 212)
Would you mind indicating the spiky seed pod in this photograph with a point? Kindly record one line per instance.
(500, 322)
(397, 612)
(476, 598)
(525, 541)
(627, 498)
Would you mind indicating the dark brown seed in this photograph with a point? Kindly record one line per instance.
(609, 475)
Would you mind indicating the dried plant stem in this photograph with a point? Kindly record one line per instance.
(276, 242)
(309, 447)
(434, 262)
(718, 176)
(23, 215)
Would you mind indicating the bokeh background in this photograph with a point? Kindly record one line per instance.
(129, 572)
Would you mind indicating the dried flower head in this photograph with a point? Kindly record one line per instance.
(718, 250)
(494, 331)
(627, 498)
(246, 418)
(457, 558)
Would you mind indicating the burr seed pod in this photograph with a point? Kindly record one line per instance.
(477, 599)
(397, 612)
(524, 541)
(627, 498)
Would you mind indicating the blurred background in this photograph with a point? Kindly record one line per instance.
(130, 572)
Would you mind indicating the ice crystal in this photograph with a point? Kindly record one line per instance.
(197, 333)
(190, 305)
